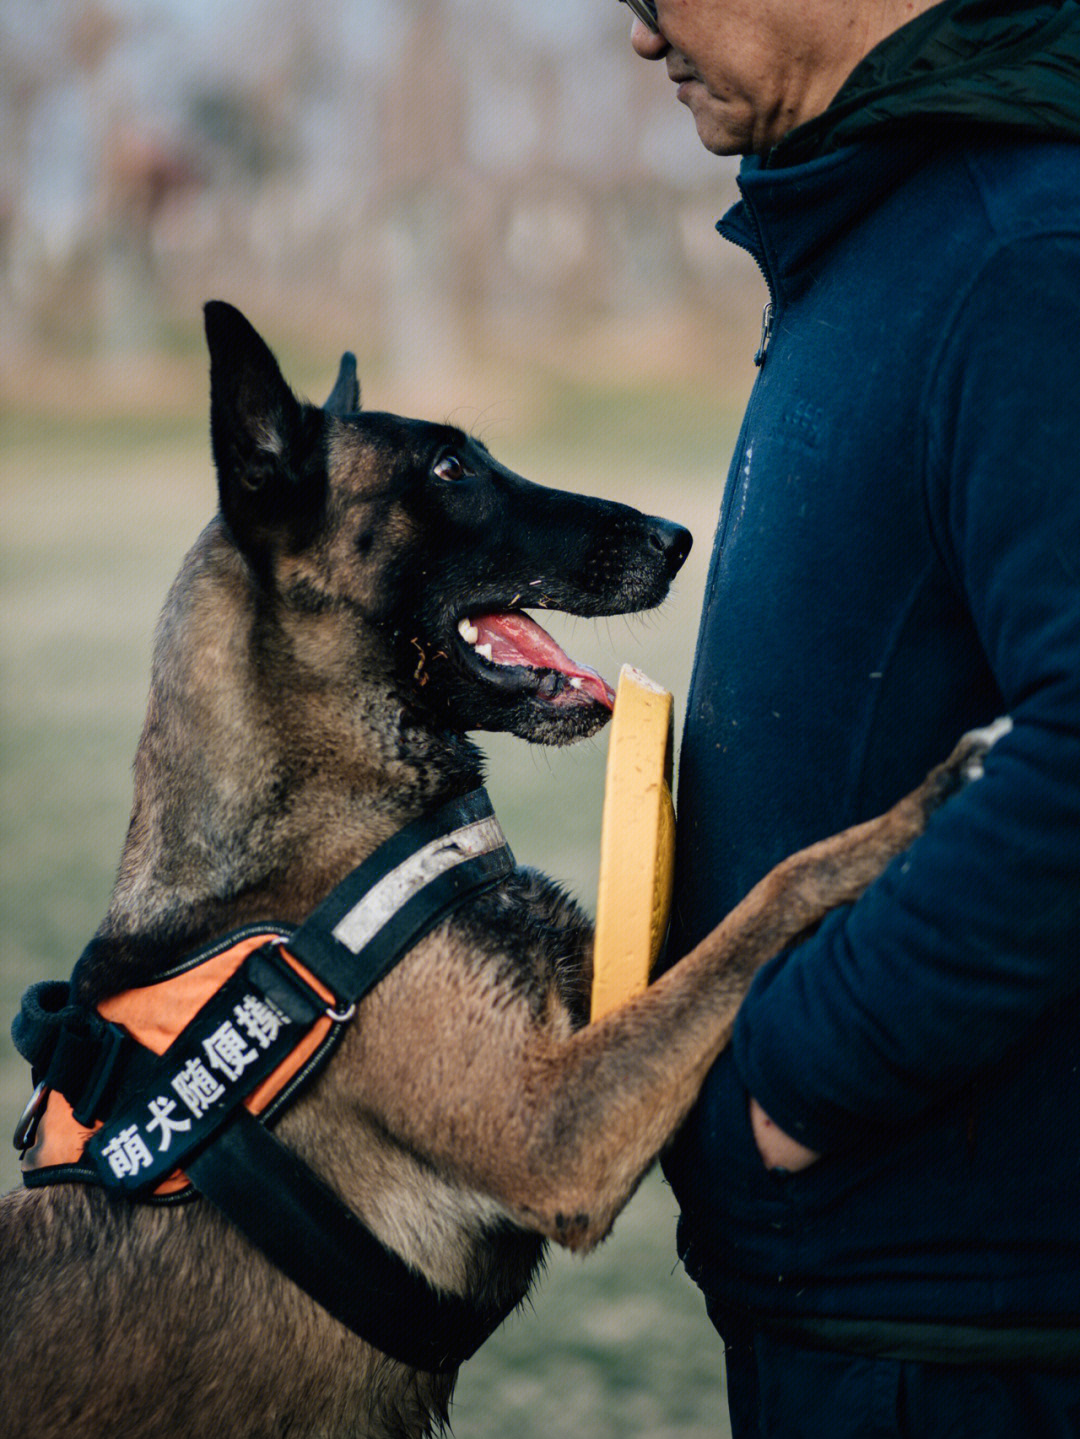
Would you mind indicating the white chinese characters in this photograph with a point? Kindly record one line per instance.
(197, 1086)
(259, 1019)
(161, 1110)
(228, 1051)
(127, 1152)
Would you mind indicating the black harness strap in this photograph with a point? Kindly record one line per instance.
(350, 942)
(321, 1245)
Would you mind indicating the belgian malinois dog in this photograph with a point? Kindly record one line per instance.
(358, 604)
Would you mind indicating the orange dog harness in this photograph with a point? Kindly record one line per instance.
(154, 1016)
(165, 1090)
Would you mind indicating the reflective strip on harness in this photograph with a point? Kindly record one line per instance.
(360, 925)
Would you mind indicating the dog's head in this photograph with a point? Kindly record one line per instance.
(418, 552)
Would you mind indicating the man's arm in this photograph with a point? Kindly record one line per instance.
(970, 939)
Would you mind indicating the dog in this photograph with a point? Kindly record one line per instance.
(355, 607)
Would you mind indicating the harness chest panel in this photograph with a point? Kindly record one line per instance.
(155, 1016)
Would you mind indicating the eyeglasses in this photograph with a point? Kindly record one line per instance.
(645, 10)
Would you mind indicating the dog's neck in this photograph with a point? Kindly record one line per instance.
(260, 779)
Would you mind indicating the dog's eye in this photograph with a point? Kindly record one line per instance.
(451, 467)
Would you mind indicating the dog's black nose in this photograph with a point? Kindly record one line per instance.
(671, 540)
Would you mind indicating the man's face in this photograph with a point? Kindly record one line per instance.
(751, 70)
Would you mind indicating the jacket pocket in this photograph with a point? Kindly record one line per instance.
(714, 1166)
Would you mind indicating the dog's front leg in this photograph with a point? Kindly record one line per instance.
(617, 1090)
(558, 1127)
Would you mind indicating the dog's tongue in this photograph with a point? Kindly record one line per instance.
(515, 639)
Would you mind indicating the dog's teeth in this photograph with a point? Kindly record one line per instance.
(575, 683)
(484, 650)
(468, 632)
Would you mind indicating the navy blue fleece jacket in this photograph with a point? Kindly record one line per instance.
(898, 560)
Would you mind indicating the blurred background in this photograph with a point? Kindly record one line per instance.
(510, 220)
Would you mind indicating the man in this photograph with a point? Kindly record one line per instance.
(880, 1185)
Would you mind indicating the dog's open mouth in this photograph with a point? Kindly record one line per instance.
(509, 649)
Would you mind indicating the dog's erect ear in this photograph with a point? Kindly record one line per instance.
(345, 396)
(268, 448)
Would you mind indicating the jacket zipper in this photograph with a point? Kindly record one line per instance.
(738, 477)
(766, 333)
(768, 315)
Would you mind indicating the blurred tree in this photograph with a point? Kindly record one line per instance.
(460, 174)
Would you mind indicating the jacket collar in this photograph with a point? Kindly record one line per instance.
(963, 63)
(787, 217)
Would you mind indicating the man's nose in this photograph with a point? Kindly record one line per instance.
(649, 44)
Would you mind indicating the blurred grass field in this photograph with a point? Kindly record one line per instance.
(96, 512)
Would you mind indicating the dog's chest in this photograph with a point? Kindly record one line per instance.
(533, 940)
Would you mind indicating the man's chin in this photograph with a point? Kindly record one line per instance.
(718, 129)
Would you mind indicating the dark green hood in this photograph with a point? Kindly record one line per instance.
(963, 63)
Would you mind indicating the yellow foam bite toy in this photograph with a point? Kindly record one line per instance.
(637, 843)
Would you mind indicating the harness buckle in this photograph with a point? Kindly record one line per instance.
(273, 952)
(279, 981)
(100, 1083)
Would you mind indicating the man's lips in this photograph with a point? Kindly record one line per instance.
(684, 85)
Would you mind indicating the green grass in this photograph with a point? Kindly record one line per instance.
(94, 519)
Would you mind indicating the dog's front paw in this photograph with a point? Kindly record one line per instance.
(975, 746)
(965, 764)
